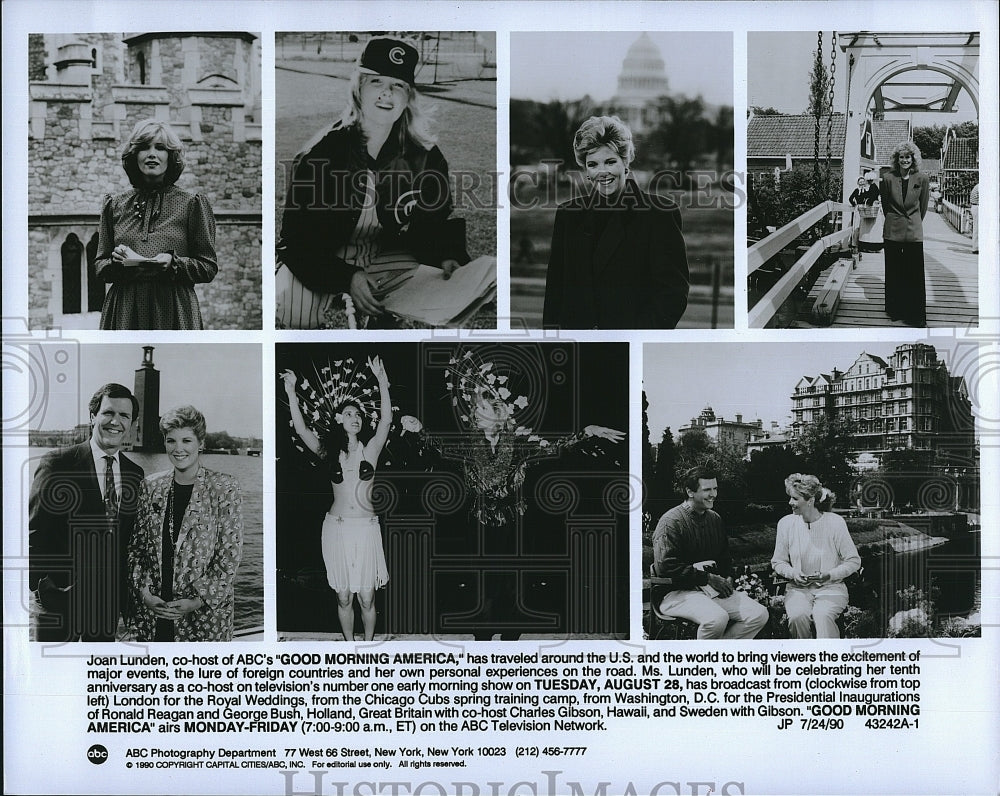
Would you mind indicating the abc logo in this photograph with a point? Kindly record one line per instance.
(97, 754)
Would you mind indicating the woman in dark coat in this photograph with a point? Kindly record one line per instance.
(905, 192)
(618, 259)
(369, 200)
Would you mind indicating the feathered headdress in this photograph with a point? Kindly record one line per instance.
(332, 385)
(472, 381)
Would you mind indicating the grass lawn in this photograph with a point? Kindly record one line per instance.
(307, 102)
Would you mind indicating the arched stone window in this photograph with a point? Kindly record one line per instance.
(71, 253)
(78, 276)
(141, 60)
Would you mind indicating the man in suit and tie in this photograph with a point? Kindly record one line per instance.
(81, 513)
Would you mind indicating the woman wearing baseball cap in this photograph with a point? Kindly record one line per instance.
(368, 200)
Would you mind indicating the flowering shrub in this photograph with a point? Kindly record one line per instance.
(861, 623)
(912, 623)
(913, 597)
(753, 586)
(959, 627)
(779, 619)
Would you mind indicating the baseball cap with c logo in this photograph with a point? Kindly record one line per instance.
(390, 57)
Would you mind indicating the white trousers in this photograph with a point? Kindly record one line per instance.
(817, 606)
(735, 616)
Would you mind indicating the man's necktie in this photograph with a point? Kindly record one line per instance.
(110, 493)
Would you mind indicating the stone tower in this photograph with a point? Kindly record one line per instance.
(147, 390)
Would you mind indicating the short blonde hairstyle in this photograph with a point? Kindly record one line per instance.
(598, 131)
(142, 134)
(184, 417)
(809, 487)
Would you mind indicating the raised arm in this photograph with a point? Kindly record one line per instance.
(377, 442)
(306, 434)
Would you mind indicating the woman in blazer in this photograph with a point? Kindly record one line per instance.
(188, 541)
(905, 191)
(618, 259)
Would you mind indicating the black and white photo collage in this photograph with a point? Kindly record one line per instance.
(484, 332)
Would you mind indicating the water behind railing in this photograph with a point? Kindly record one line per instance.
(249, 585)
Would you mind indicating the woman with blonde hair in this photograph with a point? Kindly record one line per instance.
(188, 541)
(369, 200)
(618, 259)
(905, 193)
(156, 241)
(815, 552)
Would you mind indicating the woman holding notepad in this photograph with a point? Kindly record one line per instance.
(156, 241)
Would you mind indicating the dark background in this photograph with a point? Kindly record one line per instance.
(573, 554)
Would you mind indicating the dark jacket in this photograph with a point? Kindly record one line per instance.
(73, 543)
(868, 196)
(625, 270)
(904, 217)
(326, 194)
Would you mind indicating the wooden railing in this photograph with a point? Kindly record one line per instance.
(960, 218)
(762, 251)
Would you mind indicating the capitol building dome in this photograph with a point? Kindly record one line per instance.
(641, 81)
(643, 76)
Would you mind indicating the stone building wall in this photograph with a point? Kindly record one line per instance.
(74, 159)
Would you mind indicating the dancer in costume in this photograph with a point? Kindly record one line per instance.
(494, 456)
(334, 420)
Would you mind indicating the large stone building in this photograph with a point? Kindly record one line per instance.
(641, 82)
(719, 430)
(908, 402)
(86, 92)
